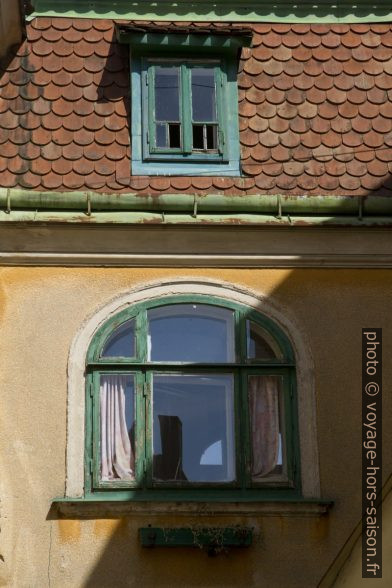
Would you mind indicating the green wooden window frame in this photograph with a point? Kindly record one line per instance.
(186, 48)
(143, 487)
(185, 151)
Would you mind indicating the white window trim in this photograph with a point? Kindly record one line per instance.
(148, 291)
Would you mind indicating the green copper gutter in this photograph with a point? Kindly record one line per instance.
(218, 220)
(18, 205)
(15, 198)
(317, 11)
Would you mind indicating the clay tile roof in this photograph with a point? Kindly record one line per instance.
(315, 109)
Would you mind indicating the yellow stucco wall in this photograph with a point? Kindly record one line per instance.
(42, 309)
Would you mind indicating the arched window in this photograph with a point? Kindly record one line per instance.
(191, 396)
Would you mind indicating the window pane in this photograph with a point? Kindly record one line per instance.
(191, 333)
(167, 94)
(193, 427)
(117, 423)
(205, 137)
(161, 140)
(211, 137)
(121, 342)
(264, 403)
(260, 344)
(198, 137)
(174, 136)
(203, 94)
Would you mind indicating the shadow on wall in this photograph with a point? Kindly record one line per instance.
(125, 563)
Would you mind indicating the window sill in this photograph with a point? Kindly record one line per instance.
(173, 168)
(92, 507)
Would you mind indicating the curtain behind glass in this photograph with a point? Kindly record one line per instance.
(117, 456)
(264, 414)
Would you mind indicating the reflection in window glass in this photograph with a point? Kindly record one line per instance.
(264, 394)
(260, 344)
(212, 455)
(203, 94)
(121, 342)
(167, 96)
(117, 424)
(193, 427)
(167, 107)
(191, 333)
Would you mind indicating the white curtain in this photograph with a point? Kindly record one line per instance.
(117, 459)
(264, 410)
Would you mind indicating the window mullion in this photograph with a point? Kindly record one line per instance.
(90, 433)
(219, 85)
(142, 336)
(186, 108)
(245, 431)
(96, 432)
(150, 81)
(148, 441)
(139, 429)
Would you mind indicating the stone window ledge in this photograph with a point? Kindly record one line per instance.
(90, 507)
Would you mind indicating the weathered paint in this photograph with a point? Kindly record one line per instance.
(42, 311)
(17, 200)
(200, 10)
(150, 218)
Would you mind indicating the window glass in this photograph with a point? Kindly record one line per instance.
(206, 415)
(167, 94)
(117, 425)
(203, 94)
(191, 333)
(121, 342)
(260, 344)
(264, 393)
(167, 106)
(193, 427)
(205, 136)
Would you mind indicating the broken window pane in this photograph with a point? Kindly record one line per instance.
(193, 427)
(205, 137)
(211, 137)
(198, 139)
(203, 94)
(174, 136)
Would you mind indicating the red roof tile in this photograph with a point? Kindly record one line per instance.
(315, 105)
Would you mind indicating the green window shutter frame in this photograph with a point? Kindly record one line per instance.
(143, 488)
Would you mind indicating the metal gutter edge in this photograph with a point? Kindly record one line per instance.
(163, 219)
(277, 206)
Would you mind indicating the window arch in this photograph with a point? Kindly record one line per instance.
(191, 396)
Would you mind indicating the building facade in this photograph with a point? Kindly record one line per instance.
(195, 214)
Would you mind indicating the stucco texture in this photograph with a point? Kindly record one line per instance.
(41, 312)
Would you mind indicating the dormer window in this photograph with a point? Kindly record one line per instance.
(184, 100)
